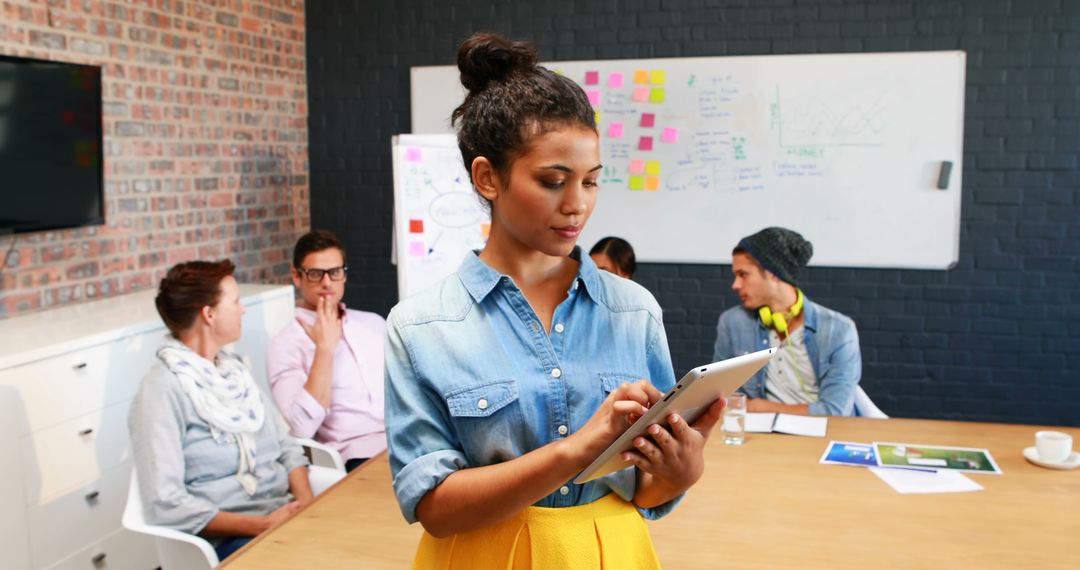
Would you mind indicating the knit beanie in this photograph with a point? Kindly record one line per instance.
(780, 251)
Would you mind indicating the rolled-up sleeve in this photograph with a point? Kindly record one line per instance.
(157, 422)
(423, 448)
(836, 393)
(288, 376)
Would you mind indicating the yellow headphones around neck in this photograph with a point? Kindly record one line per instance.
(779, 321)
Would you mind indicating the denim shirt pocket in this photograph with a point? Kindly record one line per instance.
(609, 381)
(481, 400)
(488, 421)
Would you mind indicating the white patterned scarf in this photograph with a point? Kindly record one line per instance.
(225, 396)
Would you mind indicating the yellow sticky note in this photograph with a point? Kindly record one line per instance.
(641, 76)
(657, 77)
(652, 183)
(596, 116)
(656, 95)
(652, 167)
(637, 182)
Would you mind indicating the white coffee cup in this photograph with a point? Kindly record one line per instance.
(1053, 446)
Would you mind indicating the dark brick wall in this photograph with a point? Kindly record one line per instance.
(997, 338)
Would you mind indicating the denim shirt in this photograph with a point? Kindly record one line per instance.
(472, 378)
(831, 341)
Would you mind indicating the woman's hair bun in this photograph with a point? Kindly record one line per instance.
(488, 56)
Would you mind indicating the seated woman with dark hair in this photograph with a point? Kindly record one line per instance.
(209, 454)
(614, 255)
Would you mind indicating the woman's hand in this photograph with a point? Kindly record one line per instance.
(672, 460)
(281, 515)
(620, 409)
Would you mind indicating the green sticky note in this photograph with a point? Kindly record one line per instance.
(656, 95)
(637, 182)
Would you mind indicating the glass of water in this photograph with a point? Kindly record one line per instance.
(735, 419)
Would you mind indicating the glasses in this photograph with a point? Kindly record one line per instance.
(316, 275)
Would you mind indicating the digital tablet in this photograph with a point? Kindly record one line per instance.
(690, 397)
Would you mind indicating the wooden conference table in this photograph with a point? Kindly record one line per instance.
(766, 504)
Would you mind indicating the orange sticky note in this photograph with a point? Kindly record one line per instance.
(652, 183)
(641, 77)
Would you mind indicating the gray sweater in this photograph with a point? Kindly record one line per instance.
(185, 476)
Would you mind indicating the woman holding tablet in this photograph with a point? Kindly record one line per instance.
(509, 377)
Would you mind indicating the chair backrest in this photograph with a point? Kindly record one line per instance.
(176, 550)
(865, 407)
(182, 551)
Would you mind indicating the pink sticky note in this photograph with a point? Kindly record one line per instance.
(670, 135)
(417, 249)
(413, 154)
(645, 143)
(594, 97)
(637, 167)
(615, 130)
(592, 77)
(641, 94)
(615, 79)
(648, 119)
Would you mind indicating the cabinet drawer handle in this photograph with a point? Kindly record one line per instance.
(79, 366)
(91, 496)
(98, 559)
(86, 431)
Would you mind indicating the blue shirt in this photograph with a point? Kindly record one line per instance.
(832, 343)
(472, 378)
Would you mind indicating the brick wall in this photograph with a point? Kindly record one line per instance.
(997, 338)
(205, 142)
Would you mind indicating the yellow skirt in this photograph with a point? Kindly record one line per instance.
(606, 534)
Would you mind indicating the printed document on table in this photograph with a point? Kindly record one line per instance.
(801, 425)
(908, 481)
(759, 422)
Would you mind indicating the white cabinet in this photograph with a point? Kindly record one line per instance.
(67, 377)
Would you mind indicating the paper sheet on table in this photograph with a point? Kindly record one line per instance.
(908, 481)
(801, 425)
(759, 422)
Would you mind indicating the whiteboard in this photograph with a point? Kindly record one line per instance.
(438, 218)
(699, 152)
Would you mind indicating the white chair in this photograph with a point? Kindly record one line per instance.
(865, 407)
(322, 454)
(182, 551)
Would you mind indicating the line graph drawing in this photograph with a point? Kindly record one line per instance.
(847, 119)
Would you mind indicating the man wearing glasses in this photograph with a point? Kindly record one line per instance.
(326, 366)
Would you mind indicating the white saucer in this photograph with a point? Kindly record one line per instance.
(1071, 462)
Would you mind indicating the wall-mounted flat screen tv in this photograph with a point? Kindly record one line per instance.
(50, 145)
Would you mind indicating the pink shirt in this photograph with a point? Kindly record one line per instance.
(353, 424)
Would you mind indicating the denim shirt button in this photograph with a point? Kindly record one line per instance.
(564, 490)
(482, 404)
(555, 373)
(559, 328)
(563, 430)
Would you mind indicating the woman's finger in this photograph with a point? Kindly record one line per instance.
(663, 438)
(648, 449)
(711, 417)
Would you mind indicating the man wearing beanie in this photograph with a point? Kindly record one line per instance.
(818, 366)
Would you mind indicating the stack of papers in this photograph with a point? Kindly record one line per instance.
(910, 481)
(914, 468)
(787, 423)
